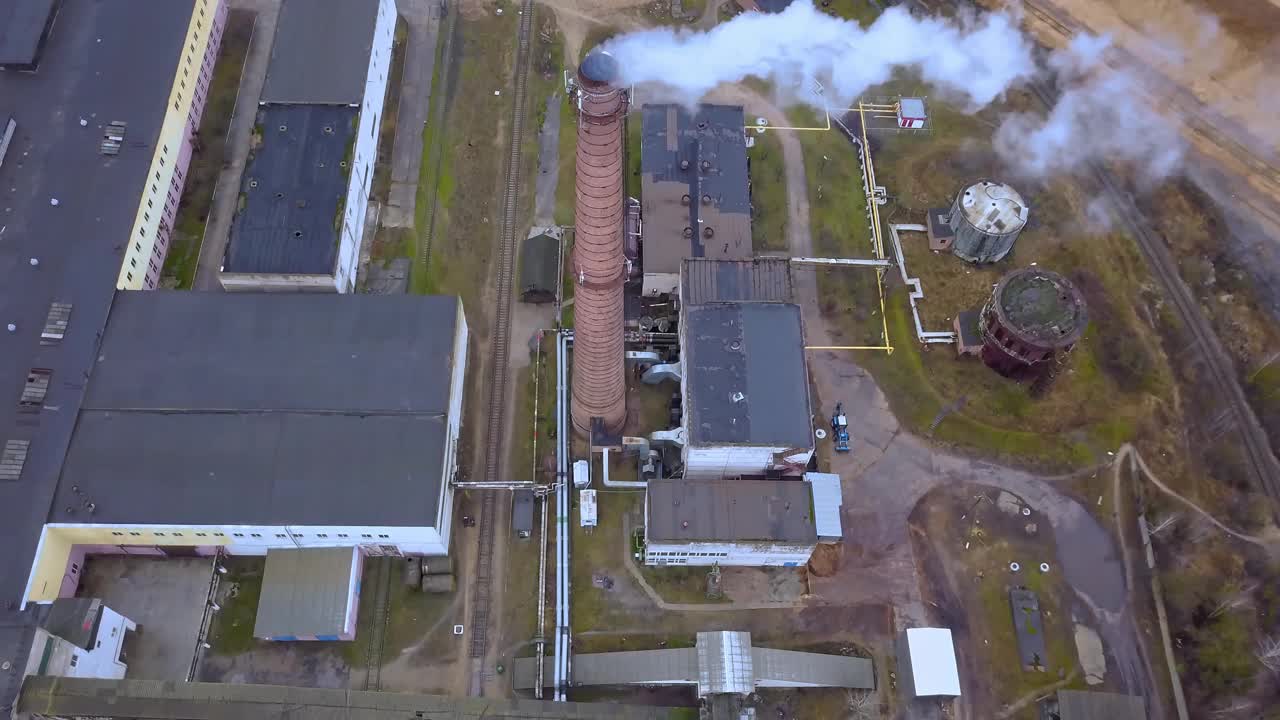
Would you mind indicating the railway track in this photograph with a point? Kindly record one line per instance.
(497, 409)
(1220, 370)
(378, 627)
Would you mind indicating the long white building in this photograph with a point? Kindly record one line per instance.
(253, 421)
(305, 191)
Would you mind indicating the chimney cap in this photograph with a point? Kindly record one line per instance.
(599, 67)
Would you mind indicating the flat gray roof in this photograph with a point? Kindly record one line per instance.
(92, 66)
(718, 211)
(730, 511)
(746, 381)
(1082, 705)
(123, 699)
(23, 24)
(293, 192)
(305, 592)
(704, 281)
(321, 52)
(268, 408)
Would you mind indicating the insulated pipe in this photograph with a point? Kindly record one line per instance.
(599, 261)
(604, 478)
(561, 460)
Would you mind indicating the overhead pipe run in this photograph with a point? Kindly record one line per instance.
(917, 293)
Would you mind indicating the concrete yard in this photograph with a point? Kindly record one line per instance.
(164, 596)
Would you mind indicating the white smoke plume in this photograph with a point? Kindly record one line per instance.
(976, 59)
(1100, 114)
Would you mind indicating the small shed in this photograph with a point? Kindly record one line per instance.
(1028, 625)
(309, 594)
(587, 508)
(828, 502)
(911, 113)
(1082, 705)
(539, 269)
(522, 513)
(927, 663)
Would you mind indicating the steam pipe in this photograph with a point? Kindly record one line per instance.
(542, 595)
(604, 478)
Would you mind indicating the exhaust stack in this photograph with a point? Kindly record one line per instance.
(599, 262)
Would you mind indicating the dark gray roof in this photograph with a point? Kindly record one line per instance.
(1081, 705)
(321, 52)
(293, 192)
(74, 619)
(170, 350)
(745, 375)
(1028, 626)
(539, 268)
(730, 511)
(122, 699)
(93, 56)
(265, 408)
(711, 281)
(305, 592)
(719, 196)
(23, 28)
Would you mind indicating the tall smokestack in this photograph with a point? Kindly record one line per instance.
(598, 263)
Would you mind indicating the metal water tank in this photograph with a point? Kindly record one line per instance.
(1034, 316)
(986, 217)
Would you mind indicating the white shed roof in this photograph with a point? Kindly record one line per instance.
(725, 663)
(911, 108)
(933, 662)
(827, 500)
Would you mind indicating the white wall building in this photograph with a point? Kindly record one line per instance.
(80, 637)
(328, 57)
(247, 422)
(729, 522)
(927, 663)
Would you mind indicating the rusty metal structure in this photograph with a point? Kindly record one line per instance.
(599, 264)
(1034, 317)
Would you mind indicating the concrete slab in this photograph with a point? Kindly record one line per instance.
(164, 596)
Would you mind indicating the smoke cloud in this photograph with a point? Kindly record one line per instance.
(973, 59)
(977, 59)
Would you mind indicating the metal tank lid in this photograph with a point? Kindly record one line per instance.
(1042, 307)
(599, 67)
(993, 208)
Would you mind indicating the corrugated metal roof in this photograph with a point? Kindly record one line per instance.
(725, 663)
(121, 699)
(828, 499)
(321, 52)
(1081, 705)
(933, 662)
(729, 511)
(787, 667)
(911, 107)
(705, 281)
(306, 592)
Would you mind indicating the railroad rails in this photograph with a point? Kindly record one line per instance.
(481, 597)
(378, 627)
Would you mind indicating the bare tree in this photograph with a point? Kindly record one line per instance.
(1164, 524)
(863, 705)
(1235, 595)
(1269, 653)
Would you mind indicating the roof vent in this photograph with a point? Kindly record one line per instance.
(284, 128)
(706, 165)
(737, 396)
(328, 130)
(685, 200)
(688, 232)
(708, 232)
(684, 164)
(706, 199)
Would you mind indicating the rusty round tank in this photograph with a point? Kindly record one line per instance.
(1034, 316)
(599, 261)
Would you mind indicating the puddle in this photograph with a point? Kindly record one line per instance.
(1089, 559)
(1092, 658)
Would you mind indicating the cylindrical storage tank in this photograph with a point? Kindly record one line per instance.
(986, 217)
(1033, 317)
(598, 262)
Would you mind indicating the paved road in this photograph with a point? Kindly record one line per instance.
(423, 18)
(227, 192)
(544, 207)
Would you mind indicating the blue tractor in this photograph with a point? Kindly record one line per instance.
(840, 429)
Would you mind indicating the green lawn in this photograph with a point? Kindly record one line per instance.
(210, 153)
(768, 194)
(231, 632)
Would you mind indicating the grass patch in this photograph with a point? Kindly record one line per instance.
(679, 584)
(232, 630)
(859, 11)
(600, 553)
(768, 194)
(381, 186)
(635, 137)
(565, 191)
(209, 154)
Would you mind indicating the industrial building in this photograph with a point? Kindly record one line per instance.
(309, 594)
(723, 662)
(982, 224)
(257, 421)
(93, 171)
(81, 637)
(1032, 320)
(745, 380)
(305, 191)
(732, 522)
(1084, 705)
(694, 190)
